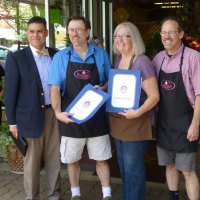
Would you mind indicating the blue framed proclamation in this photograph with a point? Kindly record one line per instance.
(86, 103)
(124, 88)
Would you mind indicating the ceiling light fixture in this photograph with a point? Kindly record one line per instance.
(171, 6)
(164, 3)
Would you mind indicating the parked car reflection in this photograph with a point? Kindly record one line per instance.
(4, 51)
(14, 47)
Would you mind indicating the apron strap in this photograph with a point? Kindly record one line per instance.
(162, 63)
(133, 58)
(181, 60)
(181, 63)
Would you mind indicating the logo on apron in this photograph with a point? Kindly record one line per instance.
(83, 74)
(167, 85)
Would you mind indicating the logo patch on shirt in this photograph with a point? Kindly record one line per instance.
(83, 74)
(167, 85)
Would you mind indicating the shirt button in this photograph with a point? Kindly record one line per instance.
(42, 93)
(43, 106)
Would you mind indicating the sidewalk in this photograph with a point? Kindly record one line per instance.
(11, 187)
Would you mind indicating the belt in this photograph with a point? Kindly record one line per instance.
(47, 106)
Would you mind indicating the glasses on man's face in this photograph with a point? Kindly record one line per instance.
(77, 30)
(123, 37)
(170, 33)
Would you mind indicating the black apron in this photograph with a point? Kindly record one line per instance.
(175, 112)
(77, 76)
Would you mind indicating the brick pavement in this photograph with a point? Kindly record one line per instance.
(11, 187)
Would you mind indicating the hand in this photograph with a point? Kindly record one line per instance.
(14, 130)
(104, 87)
(98, 87)
(130, 114)
(193, 133)
(64, 117)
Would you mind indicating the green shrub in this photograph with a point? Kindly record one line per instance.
(5, 138)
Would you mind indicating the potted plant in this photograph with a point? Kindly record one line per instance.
(11, 152)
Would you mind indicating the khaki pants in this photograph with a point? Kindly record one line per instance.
(44, 149)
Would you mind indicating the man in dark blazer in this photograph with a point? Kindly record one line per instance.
(28, 110)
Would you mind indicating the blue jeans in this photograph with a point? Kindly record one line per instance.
(130, 157)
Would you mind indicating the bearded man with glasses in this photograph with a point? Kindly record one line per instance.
(73, 68)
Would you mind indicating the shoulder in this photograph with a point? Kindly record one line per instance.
(99, 53)
(52, 51)
(60, 59)
(143, 60)
(143, 57)
(159, 55)
(191, 61)
(19, 54)
(157, 60)
(191, 53)
(96, 49)
(144, 64)
(62, 53)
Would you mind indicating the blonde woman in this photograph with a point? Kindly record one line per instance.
(132, 128)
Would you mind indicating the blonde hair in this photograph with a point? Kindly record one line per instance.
(138, 46)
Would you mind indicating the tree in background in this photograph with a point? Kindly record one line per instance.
(16, 15)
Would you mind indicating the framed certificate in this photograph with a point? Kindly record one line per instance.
(87, 103)
(124, 87)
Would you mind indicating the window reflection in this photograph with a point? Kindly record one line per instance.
(60, 10)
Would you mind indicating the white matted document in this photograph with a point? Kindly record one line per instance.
(86, 104)
(124, 88)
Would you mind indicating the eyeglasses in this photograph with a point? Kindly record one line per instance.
(77, 30)
(123, 37)
(170, 33)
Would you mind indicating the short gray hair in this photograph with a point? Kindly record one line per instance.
(136, 39)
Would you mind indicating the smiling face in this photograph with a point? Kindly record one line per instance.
(171, 36)
(122, 41)
(36, 34)
(78, 34)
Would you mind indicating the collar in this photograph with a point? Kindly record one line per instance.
(178, 51)
(91, 50)
(34, 50)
